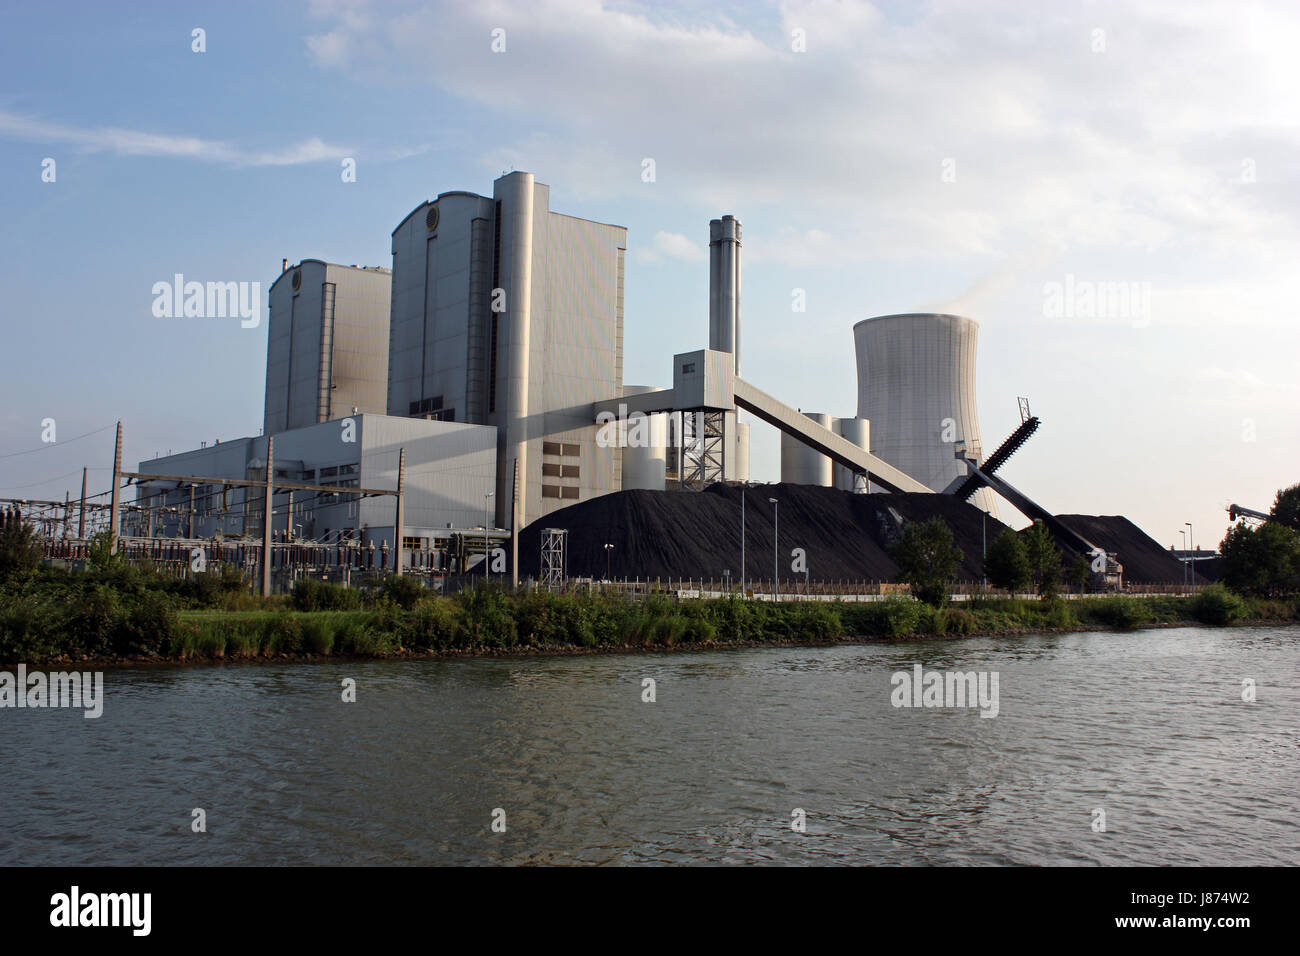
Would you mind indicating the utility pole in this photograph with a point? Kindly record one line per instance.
(113, 501)
(81, 515)
(397, 521)
(191, 529)
(266, 517)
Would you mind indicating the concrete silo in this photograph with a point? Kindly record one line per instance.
(645, 446)
(801, 465)
(858, 431)
(916, 385)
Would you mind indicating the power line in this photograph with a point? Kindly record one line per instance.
(43, 481)
(54, 444)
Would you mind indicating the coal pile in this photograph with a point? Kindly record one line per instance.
(662, 534)
(1145, 561)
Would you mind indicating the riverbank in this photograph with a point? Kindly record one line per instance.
(527, 651)
(85, 622)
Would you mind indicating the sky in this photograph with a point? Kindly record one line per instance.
(1019, 163)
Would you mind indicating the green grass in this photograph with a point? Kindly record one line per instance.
(125, 612)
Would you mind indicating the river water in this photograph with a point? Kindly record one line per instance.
(1148, 727)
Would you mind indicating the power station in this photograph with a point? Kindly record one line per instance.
(491, 356)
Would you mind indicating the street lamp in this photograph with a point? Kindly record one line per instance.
(487, 556)
(1191, 550)
(609, 551)
(776, 534)
(743, 488)
(1184, 560)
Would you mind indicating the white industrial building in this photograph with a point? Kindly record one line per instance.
(505, 313)
(450, 468)
(326, 345)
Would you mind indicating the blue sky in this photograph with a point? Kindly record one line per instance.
(928, 156)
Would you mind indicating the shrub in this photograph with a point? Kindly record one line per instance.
(402, 590)
(317, 636)
(20, 551)
(1058, 614)
(815, 621)
(312, 595)
(487, 618)
(149, 627)
(1217, 605)
(432, 624)
(955, 620)
(1118, 612)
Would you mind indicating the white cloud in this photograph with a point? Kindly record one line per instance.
(673, 245)
(1053, 144)
(128, 142)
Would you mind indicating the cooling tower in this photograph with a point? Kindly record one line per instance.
(916, 384)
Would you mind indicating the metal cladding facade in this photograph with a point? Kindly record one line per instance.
(449, 467)
(327, 344)
(505, 313)
(801, 465)
(916, 385)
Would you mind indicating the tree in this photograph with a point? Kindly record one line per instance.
(1044, 559)
(1007, 562)
(1286, 507)
(1263, 561)
(20, 550)
(100, 556)
(927, 560)
(1080, 572)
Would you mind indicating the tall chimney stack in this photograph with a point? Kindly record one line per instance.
(724, 286)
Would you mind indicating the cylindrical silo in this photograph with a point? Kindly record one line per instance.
(644, 440)
(802, 465)
(740, 469)
(916, 385)
(858, 431)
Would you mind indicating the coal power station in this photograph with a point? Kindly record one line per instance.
(462, 410)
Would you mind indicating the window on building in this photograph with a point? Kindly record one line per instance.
(568, 471)
(571, 451)
(567, 492)
(550, 469)
(551, 491)
(552, 448)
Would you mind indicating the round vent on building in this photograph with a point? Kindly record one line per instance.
(296, 281)
(431, 218)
